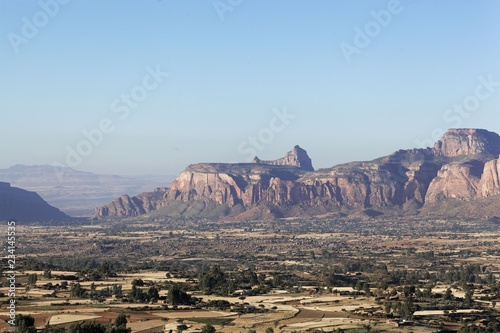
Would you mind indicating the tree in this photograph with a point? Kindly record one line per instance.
(208, 329)
(121, 320)
(468, 298)
(181, 327)
(32, 278)
(106, 268)
(448, 295)
(406, 310)
(138, 282)
(176, 296)
(120, 325)
(153, 294)
(117, 290)
(387, 307)
(269, 330)
(136, 294)
(213, 281)
(25, 324)
(78, 291)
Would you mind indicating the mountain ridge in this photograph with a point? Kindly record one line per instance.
(462, 166)
(26, 206)
(76, 192)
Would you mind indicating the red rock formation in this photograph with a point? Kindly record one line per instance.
(490, 179)
(137, 205)
(460, 166)
(467, 142)
(457, 181)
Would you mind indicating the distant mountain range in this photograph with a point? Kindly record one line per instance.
(458, 176)
(76, 193)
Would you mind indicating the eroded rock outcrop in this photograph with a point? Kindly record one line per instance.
(468, 142)
(133, 206)
(457, 181)
(490, 179)
(296, 157)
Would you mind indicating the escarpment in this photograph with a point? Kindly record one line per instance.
(464, 165)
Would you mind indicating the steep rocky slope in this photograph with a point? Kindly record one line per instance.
(25, 206)
(463, 166)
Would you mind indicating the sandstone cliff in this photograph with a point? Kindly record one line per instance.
(490, 179)
(133, 206)
(468, 142)
(463, 165)
(25, 206)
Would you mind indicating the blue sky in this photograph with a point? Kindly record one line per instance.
(232, 66)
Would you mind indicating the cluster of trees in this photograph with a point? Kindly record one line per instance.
(87, 268)
(76, 290)
(26, 324)
(177, 296)
(205, 329)
(139, 296)
(492, 326)
(463, 275)
(403, 310)
(213, 280)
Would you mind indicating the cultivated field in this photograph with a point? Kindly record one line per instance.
(289, 276)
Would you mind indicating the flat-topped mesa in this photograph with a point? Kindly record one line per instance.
(297, 157)
(466, 142)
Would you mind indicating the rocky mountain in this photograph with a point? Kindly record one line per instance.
(468, 142)
(296, 157)
(77, 193)
(133, 206)
(462, 166)
(25, 206)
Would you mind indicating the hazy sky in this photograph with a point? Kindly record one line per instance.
(85, 83)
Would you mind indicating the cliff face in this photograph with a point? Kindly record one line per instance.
(468, 142)
(457, 181)
(25, 206)
(490, 179)
(133, 206)
(460, 166)
(466, 181)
